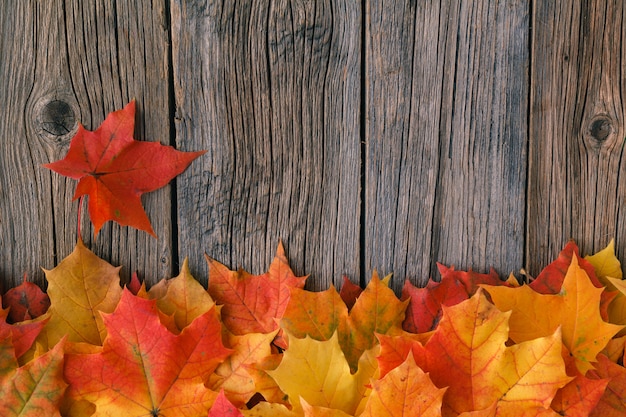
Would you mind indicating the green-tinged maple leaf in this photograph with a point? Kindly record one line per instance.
(318, 372)
(25, 302)
(579, 396)
(424, 310)
(376, 311)
(115, 170)
(184, 297)
(223, 408)
(35, 389)
(314, 314)
(80, 288)
(144, 369)
(253, 303)
(404, 391)
(613, 401)
(575, 309)
(467, 354)
(233, 376)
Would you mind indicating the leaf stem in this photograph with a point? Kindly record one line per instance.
(80, 206)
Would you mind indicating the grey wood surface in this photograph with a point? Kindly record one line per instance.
(62, 62)
(446, 136)
(577, 174)
(364, 134)
(272, 91)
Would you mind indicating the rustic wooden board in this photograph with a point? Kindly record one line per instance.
(446, 136)
(272, 91)
(576, 170)
(412, 148)
(63, 62)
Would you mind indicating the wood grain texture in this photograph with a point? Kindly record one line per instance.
(446, 136)
(64, 62)
(467, 159)
(272, 91)
(576, 169)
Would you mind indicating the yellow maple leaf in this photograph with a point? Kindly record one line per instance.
(80, 288)
(316, 411)
(606, 264)
(317, 371)
(182, 296)
(575, 309)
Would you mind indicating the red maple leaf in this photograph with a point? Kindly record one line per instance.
(26, 301)
(114, 169)
(143, 368)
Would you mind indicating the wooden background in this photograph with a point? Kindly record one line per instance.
(364, 134)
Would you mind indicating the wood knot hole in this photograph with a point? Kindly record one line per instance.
(600, 128)
(57, 118)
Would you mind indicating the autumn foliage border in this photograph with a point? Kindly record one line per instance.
(469, 344)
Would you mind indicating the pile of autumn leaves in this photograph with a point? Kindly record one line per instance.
(469, 345)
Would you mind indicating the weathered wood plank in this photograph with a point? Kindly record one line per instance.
(63, 62)
(446, 136)
(272, 91)
(576, 170)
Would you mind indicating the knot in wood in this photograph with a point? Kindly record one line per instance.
(600, 128)
(57, 118)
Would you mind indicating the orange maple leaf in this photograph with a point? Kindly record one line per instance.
(114, 169)
(181, 297)
(143, 368)
(253, 303)
(579, 396)
(406, 390)
(233, 376)
(314, 314)
(613, 401)
(467, 354)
